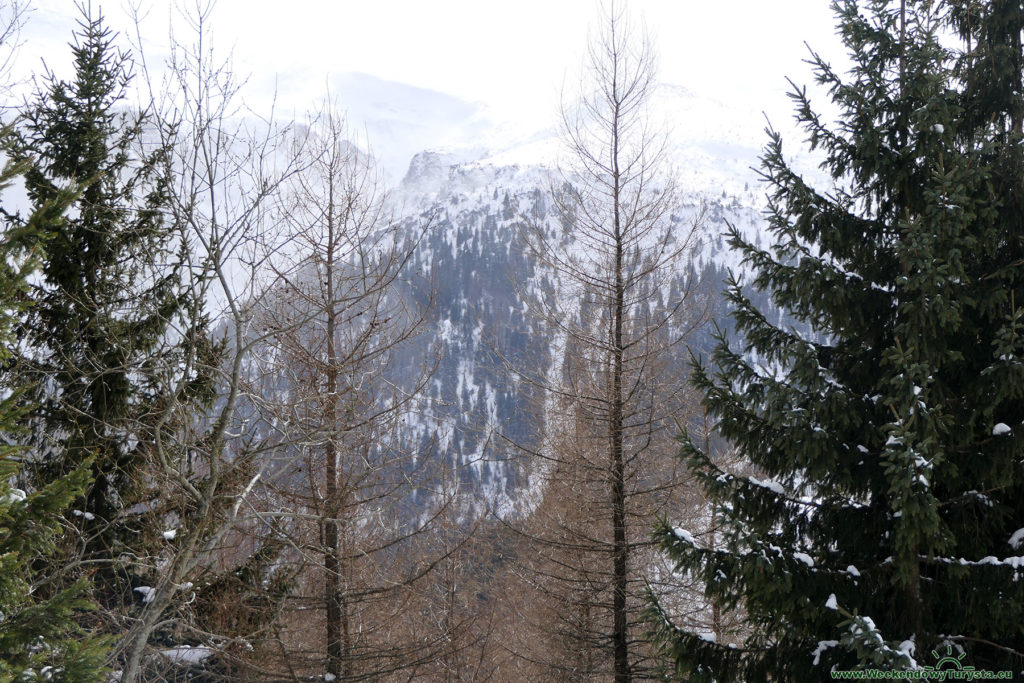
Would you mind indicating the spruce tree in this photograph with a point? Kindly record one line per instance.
(883, 521)
(106, 329)
(39, 637)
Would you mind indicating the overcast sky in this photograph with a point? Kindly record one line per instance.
(512, 57)
(511, 54)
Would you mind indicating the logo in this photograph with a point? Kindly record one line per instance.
(948, 667)
(947, 661)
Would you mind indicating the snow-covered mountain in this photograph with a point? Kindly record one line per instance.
(481, 277)
(469, 183)
(713, 145)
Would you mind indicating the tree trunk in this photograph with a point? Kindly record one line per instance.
(143, 629)
(618, 473)
(332, 564)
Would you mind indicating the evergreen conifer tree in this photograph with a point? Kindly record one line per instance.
(39, 637)
(884, 519)
(102, 339)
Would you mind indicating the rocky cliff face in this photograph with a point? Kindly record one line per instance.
(477, 281)
(462, 210)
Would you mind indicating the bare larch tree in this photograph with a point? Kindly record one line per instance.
(627, 298)
(360, 504)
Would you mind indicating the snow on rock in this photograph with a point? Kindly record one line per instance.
(773, 486)
(147, 593)
(980, 497)
(822, 646)
(683, 535)
(170, 534)
(1016, 562)
(187, 654)
(1000, 429)
(831, 602)
(908, 647)
(14, 496)
(805, 558)
(1017, 539)
(708, 637)
(84, 515)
